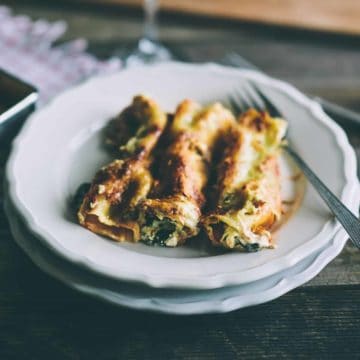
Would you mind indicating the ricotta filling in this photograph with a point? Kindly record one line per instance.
(159, 229)
(237, 233)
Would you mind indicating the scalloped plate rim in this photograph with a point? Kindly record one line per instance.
(206, 281)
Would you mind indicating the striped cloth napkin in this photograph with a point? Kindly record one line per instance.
(27, 51)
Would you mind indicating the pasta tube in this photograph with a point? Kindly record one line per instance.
(172, 214)
(247, 199)
(110, 206)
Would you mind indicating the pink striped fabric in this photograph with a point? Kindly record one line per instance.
(27, 51)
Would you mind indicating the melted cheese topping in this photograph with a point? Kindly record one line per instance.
(167, 227)
(124, 203)
(249, 201)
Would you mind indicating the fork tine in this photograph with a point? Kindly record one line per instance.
(235, 105)
(274, 111)
(245, 100)
(238, 103)
(254, 101)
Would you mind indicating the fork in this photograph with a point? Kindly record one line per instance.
(261, 102)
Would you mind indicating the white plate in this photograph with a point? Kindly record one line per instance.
(172, 301)
(60, 147)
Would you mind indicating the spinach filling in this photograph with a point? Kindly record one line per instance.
(78, 198)
(247, 247)
(156, 231)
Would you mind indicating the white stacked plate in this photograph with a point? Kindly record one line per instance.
(60, 147)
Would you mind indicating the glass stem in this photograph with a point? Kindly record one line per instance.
(150, 25)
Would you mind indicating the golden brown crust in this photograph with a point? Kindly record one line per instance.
(138, 124)
(185, 167)
(227, 169)
(257, 121)
(247, 201)
(109, 207)
(120, 232)
(269, 201)
(184, 170)
(155, 190)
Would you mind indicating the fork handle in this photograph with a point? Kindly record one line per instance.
(347, 219)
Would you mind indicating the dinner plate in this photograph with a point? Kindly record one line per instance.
(171, 301)
(61, 146)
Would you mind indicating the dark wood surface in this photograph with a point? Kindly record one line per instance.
(43, 319)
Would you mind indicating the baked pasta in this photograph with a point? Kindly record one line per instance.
(171, 215)
(158, 189)
(247, 201)
(110, 206)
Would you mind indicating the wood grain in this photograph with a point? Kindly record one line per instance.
(325, 15)
(45, 320)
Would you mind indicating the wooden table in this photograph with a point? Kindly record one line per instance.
(41, 318)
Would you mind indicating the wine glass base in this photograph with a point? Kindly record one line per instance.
(146, 52)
